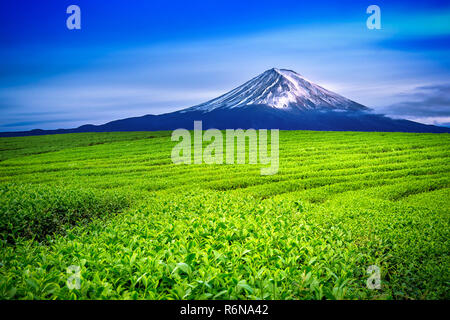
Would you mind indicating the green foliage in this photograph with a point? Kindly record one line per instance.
(38, 211)
(341, 202)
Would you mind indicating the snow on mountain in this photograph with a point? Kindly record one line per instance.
(281, 89)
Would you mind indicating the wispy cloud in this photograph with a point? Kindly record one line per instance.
(62, 107)
(428, 104)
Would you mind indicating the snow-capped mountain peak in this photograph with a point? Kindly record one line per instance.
(281, 89)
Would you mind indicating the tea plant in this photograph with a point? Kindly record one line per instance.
(140, 227)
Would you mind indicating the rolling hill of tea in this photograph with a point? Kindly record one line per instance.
(137, 226)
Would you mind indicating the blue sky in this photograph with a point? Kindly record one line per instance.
(132, 58)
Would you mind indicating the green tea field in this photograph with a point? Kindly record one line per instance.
(113, 212)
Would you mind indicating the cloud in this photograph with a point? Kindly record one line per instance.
(430, 43)
(30, 108)
(428, 104)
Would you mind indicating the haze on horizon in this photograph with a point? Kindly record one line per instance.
(153, 58)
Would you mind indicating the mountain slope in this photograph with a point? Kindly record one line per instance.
(280, 89)
(276, 99)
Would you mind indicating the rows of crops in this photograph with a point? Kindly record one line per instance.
(138, 226)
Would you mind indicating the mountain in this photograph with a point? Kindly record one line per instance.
(281, 89)
(276, 99)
